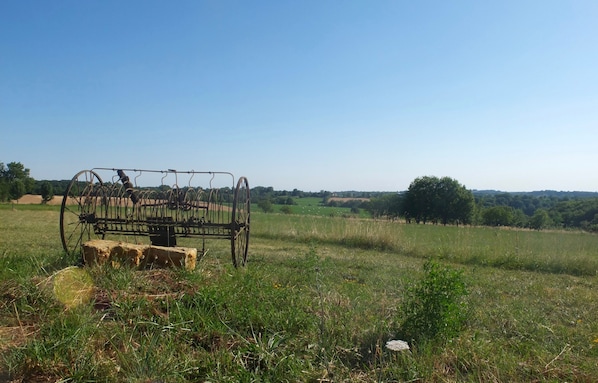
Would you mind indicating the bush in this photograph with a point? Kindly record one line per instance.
(265, 205)
(434, 308)
(47, 192)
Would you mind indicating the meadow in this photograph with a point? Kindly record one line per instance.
(320, 297)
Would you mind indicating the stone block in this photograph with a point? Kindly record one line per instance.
(100, 251)
(161, 256)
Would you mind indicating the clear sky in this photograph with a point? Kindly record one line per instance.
(314, 95)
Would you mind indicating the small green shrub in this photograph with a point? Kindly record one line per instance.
(434, 308)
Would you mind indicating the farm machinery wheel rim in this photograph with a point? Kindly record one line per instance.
(78, 212)
(240, 223)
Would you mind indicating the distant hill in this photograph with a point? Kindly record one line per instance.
(541, 193)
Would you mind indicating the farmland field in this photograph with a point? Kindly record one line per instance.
(313, 206)
(320, 297)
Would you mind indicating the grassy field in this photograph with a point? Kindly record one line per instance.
(317, 302)
(313, 206)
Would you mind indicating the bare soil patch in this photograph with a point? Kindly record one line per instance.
(14, 336)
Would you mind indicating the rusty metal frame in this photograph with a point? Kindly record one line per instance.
(121, 207)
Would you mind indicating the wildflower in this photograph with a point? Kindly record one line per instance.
(397, 345)
(595, 340)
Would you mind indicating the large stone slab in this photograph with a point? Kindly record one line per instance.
(161, 256)
(117, 253)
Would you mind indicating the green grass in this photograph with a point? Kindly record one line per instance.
(312, 206)
(317, 302)
(573, 253)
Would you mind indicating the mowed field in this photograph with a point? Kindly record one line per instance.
(36, 199)
(317, 302)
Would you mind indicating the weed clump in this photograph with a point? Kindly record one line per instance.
(434, 308)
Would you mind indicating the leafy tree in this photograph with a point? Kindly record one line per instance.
(456, 203)
(261, 192)
(576, 213)
(282, 200)
(4, 194)
(325, 196)
(47, 191)
(389, 205)
(438, 200)
(519, 218)
(266, 205)
(14, 180)
(17, 171)
(540, 220)
(497, 216)
(286, 209)
(420, 199)
(16, 189)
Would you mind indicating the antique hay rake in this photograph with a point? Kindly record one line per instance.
(185, 204)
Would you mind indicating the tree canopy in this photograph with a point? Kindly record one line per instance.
(47, 191)
(433, 199)
(14, 181)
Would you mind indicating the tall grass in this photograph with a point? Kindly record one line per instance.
(359, 233)
(574, 253)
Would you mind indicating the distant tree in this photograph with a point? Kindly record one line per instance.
(519, 218)
(420, 199)
(577, 212)
(47, 191)
(16, 189)
(395, 205)
(441, 200)
(14, 180)
(17, 171)
(4, 193)
(456, 203)
(261, 192)
(266, 205)
(286, 209)
(540, 220)
(283, 200)
(325, 196)
(388, 205)
(497, 216)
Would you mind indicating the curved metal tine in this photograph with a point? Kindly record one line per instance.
(211, 179)
(176, 181)
(164, 176)
(137, 176)
(190, 178)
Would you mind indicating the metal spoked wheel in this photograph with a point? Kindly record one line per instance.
(240, 223)
(78, 212)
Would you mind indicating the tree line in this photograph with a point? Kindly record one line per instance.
(15, 182)
(444, 200)
(428, 199)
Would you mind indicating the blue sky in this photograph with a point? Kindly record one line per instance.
(313, 95)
